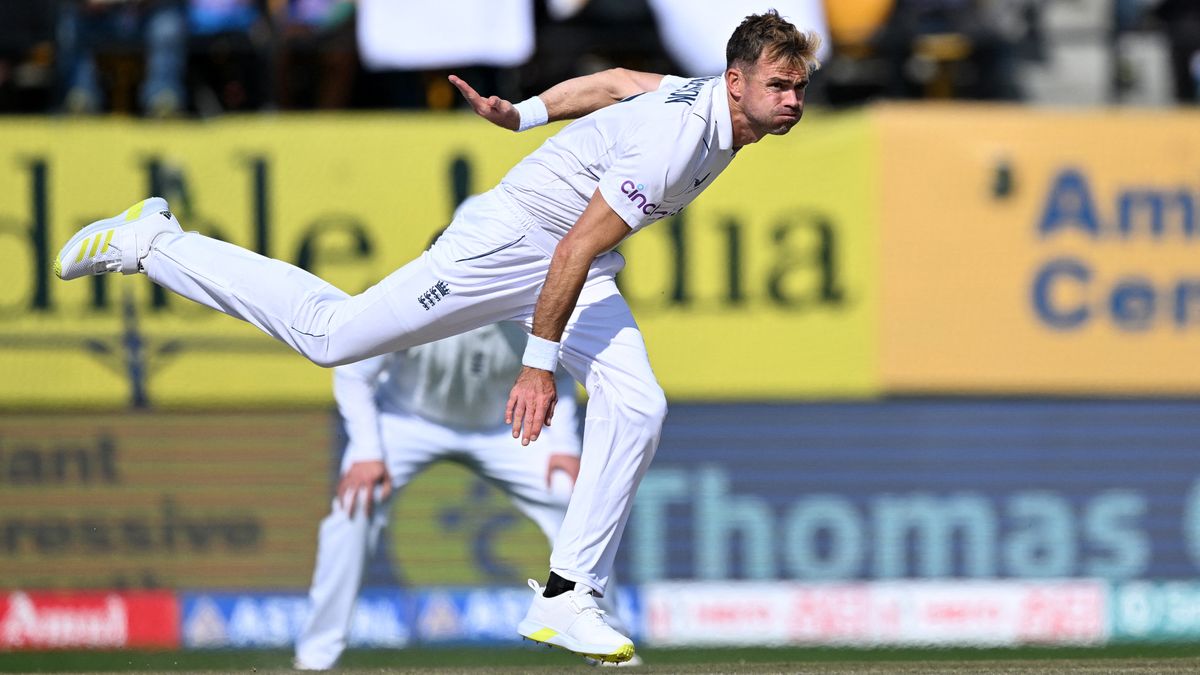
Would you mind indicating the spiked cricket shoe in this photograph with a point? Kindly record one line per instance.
(116, 244)
(633, 662)
(573, 622)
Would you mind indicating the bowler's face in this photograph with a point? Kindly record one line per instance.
(773, 95)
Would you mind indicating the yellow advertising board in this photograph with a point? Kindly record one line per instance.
(350, 198)
(227, 501)
(162, 500)
(761, 289)
(1033, 251)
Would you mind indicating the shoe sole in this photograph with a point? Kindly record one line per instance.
(552, 638)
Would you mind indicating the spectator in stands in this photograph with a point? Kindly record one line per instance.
(316, 58)
(156, 28)
(1181, 19)
(26, 55)
(953, 48)
(210, 17)
(231, 64)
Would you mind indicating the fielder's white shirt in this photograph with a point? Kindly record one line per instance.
(649, 155)
(461, 382)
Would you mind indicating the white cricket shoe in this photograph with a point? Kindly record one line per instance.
(573, 622)
(116, 244)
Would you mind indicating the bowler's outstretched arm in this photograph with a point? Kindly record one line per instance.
(566, 100)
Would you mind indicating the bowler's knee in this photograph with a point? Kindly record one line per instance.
(657, 406)
(333, 350)
(647, 407)
(329, 360)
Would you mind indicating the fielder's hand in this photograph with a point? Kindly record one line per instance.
(531, 403)
(358, 484)
(568, 464)
(493, 108)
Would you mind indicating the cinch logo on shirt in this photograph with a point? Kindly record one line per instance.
(634, 193)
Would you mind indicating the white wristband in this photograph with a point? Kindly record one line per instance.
(540, 353)
(533, 113)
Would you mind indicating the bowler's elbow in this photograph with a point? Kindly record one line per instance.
(576, 251)
(626, 82)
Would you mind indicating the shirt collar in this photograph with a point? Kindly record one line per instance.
(721, 116)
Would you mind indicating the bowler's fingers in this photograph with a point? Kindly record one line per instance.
(527, 425)
(535, 419)
(514, 412)
(484, 107)
(526, 418)
(468, 92)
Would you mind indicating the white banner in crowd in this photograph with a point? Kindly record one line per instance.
(444, 33)
(696, 39)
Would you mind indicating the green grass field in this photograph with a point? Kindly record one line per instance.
(1165, 659)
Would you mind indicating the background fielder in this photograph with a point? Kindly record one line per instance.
(407, 410)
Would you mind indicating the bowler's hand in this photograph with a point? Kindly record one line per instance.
(493, 108)
(531, 403)
(359, 482)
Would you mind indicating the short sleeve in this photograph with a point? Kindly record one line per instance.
(670, 82)
(638, 179)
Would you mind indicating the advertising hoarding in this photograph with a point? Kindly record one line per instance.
(1027, 251)
(162, 500)
(353, 197)
(926, 489)
(37, 620)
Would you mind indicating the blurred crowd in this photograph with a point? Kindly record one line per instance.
(167, 58)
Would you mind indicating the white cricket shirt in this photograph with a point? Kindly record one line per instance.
(650, 155)
(461, 382)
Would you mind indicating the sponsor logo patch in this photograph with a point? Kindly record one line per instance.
(633, 191)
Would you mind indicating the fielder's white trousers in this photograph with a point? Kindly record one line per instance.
(492, 260)
(411, 444)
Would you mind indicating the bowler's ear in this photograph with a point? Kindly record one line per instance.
(735, 81)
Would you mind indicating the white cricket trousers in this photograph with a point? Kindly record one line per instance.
(488, 266)
(411, 444)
